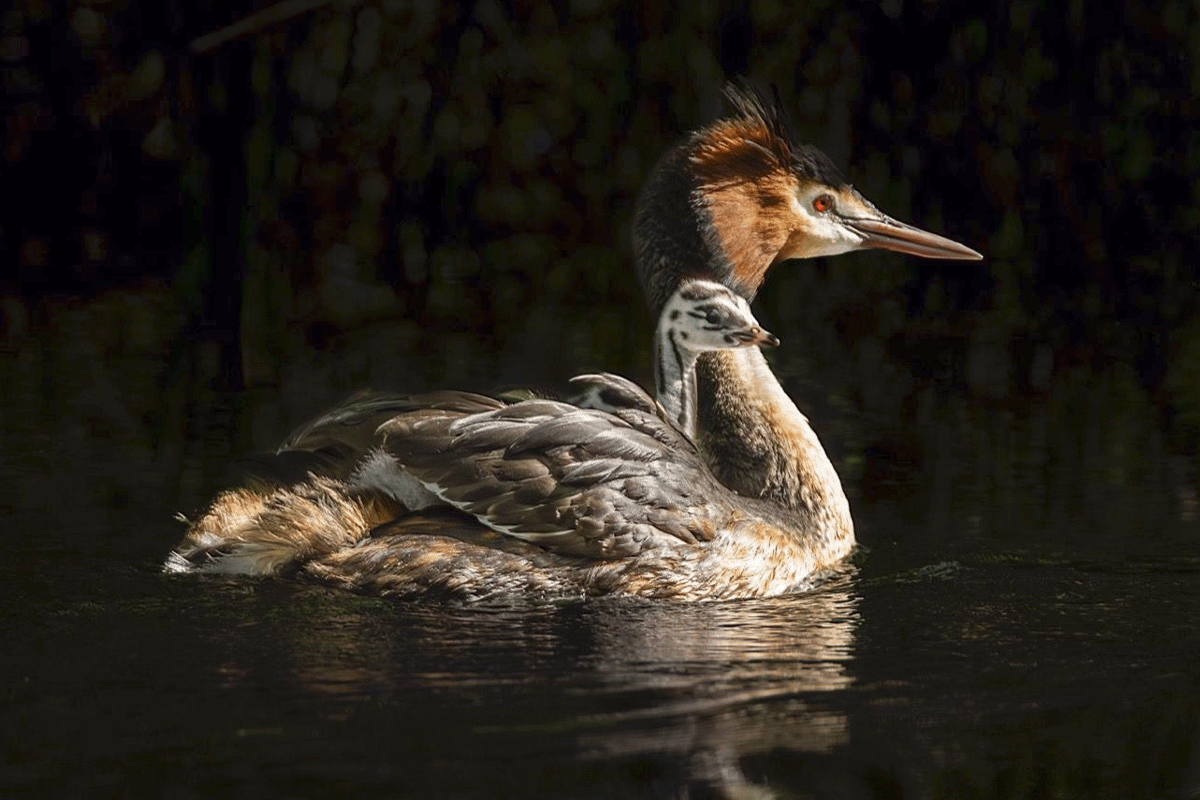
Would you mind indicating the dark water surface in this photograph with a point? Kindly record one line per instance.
(1022, 623)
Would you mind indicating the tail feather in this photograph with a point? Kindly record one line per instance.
(244, 532)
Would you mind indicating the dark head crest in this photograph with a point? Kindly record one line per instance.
(758, 139)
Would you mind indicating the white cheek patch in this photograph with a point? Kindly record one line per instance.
(824, 235)
(832, 238)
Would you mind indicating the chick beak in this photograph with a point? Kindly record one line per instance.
(756, 337)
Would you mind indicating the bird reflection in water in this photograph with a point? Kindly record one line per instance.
(699, 691)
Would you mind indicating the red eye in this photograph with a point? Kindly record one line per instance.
(823, 203)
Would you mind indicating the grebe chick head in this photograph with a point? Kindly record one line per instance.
(700, 316)
(741, 195)
(704, 315)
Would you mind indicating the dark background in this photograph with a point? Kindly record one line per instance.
(200, 248)
(403, 195)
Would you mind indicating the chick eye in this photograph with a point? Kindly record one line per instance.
(823, 203)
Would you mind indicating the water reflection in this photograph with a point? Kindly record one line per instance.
(729, 680)
(696, 686)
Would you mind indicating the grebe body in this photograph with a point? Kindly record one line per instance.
(717, 489)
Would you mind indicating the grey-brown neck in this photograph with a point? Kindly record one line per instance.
(757, 443)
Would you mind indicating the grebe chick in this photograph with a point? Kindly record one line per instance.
(700, 316)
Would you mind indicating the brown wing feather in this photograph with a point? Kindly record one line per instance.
(334, 443)
(575, 481)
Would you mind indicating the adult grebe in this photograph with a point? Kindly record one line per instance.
(575, 500)
(727, 204)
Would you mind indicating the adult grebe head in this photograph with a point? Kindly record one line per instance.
(740, 195)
